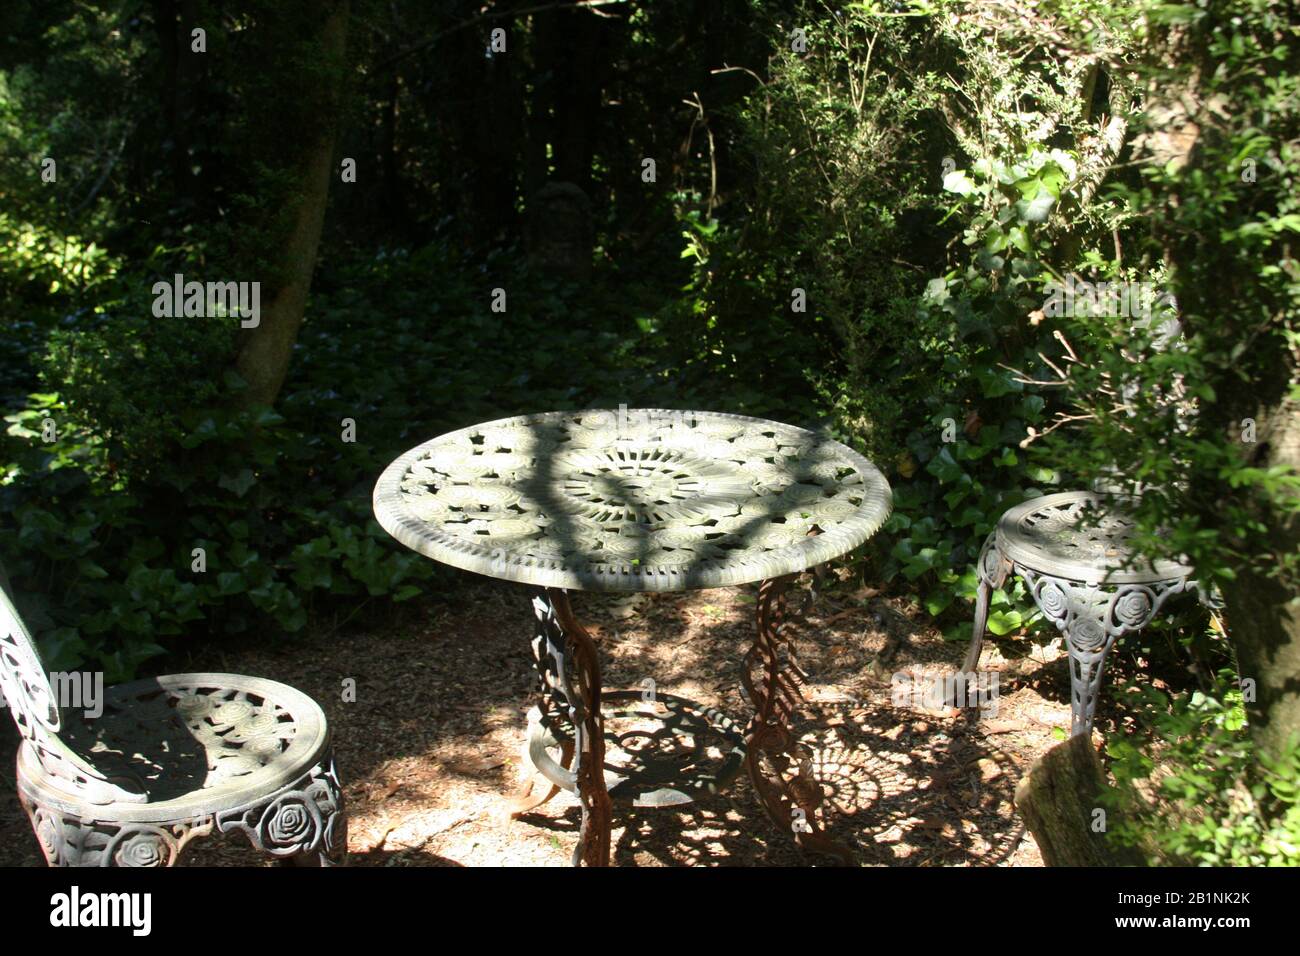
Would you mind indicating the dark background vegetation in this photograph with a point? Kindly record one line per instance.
(920, 171)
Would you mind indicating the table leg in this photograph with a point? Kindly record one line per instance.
(569, 671)
(771, 745)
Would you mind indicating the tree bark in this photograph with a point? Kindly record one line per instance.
(1060, 802)
(263, 360)
(1263, 618)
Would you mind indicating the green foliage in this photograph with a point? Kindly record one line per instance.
(845, 152)
(1199, 794)
(919, 179)
(1229, 222)
(133, 377)
(40, 264)
(151, 461)
(115, 556)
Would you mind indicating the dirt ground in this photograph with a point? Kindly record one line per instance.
(430, 750)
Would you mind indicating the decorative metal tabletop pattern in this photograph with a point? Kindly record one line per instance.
(640, 500)
(1079, 535)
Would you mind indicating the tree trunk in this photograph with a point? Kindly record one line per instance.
(263, 359)
(1060, 802)
(1263, 618)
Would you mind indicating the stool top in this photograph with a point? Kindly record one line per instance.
(1081, 535)
(632, 500)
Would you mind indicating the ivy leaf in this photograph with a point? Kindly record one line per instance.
(958, 182)
(938, 601)
(944, 467)
(239, 483)
(1004, 622)
(230, 582)
(1036, 209)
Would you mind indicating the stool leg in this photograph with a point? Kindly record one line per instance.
(1092, 618)
(977, 630)
(1087, 667)
(992, 569)
(1088, 617)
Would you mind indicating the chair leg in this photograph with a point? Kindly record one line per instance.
(333, 852)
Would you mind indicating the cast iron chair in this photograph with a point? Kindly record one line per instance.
(168, 760)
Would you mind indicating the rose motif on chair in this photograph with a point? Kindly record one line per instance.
(140, 848)
(1053, 601)
(1133, 608)
(48, 835)
(1088, 634)
(290, 825)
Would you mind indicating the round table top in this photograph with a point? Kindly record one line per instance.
(632, 500)
(1081, 535)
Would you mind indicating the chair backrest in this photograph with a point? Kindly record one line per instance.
(23, 678)
(35, 710)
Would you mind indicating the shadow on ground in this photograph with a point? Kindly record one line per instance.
(430, 747)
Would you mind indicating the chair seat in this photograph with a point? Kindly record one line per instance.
(1080, 535)
(184, 745)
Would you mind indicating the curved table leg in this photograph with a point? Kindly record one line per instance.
(771, 745)
(569, 672)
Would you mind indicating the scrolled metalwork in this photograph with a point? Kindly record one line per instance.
(780, 767)
(642, 500)
(304, 821)
(202, 753)
(570, 697)
(35, 711)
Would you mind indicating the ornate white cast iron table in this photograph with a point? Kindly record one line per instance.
(644, 500)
